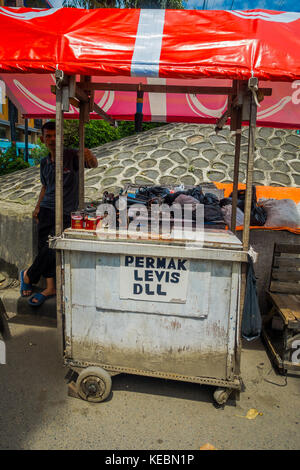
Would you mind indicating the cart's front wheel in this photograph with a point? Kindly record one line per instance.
(94, 384)
(221, 395)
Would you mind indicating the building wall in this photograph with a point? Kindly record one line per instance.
(5, 126)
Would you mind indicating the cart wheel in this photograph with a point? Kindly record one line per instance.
(94, 384)
(221, 395)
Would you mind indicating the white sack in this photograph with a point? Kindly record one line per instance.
(281, 213)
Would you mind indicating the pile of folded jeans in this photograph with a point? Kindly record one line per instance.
(148, 195)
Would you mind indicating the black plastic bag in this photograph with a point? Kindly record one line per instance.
(226, 201)
(251, 321)
(210, 198)
(258, 216)
(241, 195)
(197, 193)
(212, 213)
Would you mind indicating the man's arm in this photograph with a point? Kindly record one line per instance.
(90, 159)
(37, 207)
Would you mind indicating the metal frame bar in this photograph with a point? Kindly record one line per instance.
(235, 383)
(59, 212)
(197, 90)
(249, 179)
(238, 137)
(81, 154)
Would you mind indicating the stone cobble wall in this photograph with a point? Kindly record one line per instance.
(173, 154)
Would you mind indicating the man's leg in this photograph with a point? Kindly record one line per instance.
(46, 225)
(48, 265)
(44, 265)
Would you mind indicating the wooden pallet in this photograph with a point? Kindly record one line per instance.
(281, 326)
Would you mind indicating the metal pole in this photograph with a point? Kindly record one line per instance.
(59, 165)
(238, 137)
(59, 214)
(12, 121)
(249, 180)
(26, 140)
(81, 155)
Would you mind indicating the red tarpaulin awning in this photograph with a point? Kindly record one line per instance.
(150, 46)
(31, 93)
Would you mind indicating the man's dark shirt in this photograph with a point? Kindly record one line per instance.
(70, 181)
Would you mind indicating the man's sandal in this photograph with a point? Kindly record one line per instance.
(24, 285)
(40, 299)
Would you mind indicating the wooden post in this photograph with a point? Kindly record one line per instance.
(81, 154)
(249, 180)
(246, 231)
(84, 113)
(26, 153)
(238, 137)
(59, 214)
(59, 165)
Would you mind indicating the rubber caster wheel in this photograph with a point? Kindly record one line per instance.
(94, 384)
(221, 395)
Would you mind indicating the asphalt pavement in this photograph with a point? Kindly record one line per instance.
(36, 412)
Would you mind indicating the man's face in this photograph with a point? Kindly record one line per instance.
(49, 139)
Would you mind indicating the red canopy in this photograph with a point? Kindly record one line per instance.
(153, 46)
(155, 43)
(32, 95)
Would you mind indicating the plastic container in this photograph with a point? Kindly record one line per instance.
(90, 221)
(77, 220)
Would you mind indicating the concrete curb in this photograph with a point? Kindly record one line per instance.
(17, 309)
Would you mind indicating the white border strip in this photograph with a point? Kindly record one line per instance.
(147, 49)
(285, 17)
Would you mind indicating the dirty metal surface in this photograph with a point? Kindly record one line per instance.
(196, 338)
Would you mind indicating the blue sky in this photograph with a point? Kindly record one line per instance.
(281, 5)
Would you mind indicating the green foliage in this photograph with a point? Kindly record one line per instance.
(9, 162)
(99, 132)
(39, 152)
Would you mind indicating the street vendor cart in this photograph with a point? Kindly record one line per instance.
(160, 308)
(151, 308)
(167, 308)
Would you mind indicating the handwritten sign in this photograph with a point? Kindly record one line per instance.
(156, 279)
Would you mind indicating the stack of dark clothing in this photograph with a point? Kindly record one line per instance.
(213, 215)
(194, 196)
(161, 195)
(258, 214)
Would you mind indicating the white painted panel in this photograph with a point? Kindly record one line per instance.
(192, 338)
(83, 275)
(150, 342)
(108, 281)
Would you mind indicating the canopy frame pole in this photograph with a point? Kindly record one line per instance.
(238, 135)
(85, 107)
(250, 165)
(147, 88)
(59, 205)
(81, 156)
(243, 102)
(59, 157)
(237, 118)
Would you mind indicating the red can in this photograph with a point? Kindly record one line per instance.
(76, 221)
(90, 222)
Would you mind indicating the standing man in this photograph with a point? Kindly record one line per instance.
(44, 212)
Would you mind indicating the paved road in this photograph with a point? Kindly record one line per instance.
(142, 413)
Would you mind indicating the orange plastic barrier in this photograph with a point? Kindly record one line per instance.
(268, 192)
